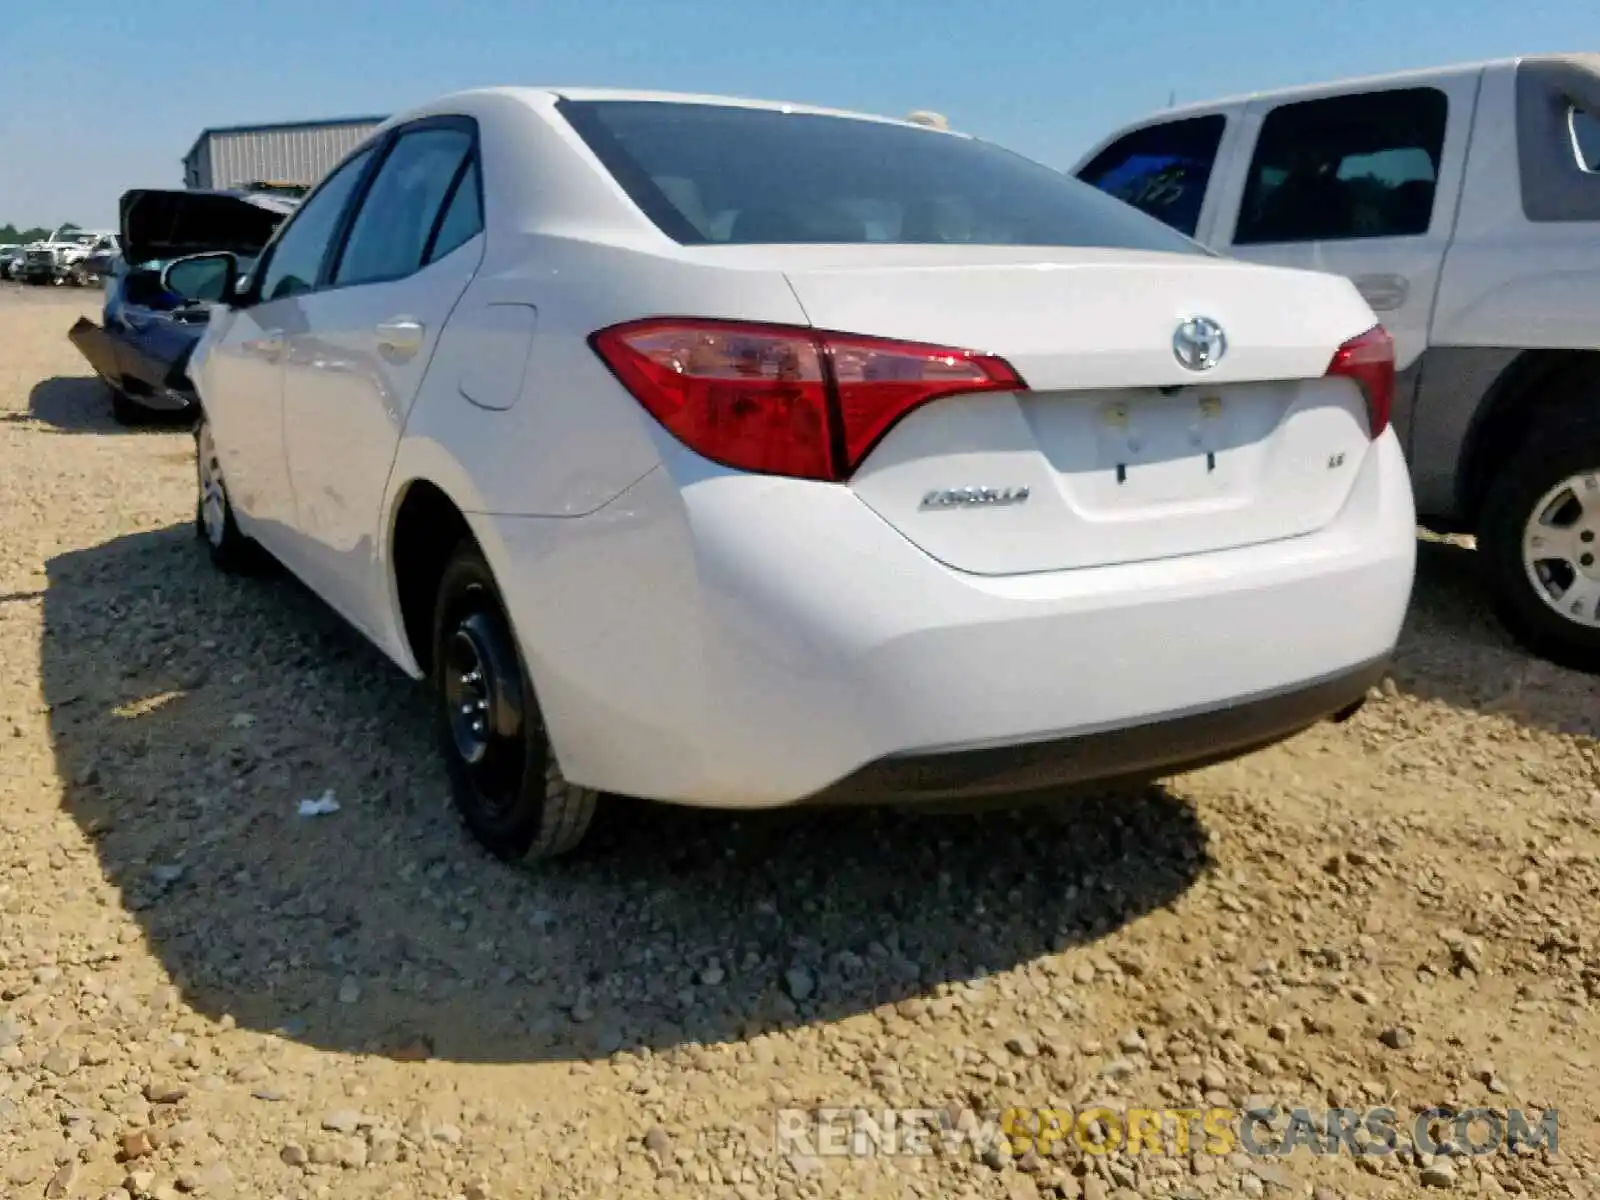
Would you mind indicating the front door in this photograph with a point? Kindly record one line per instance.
(241, 365)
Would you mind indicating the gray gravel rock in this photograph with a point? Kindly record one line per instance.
(800, 982)
(1396, 1037)
(1439, 1174)
(343, 1121)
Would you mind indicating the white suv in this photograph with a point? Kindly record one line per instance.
(1464, 202)
(745, 455)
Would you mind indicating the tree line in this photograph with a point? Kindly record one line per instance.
(10, 235)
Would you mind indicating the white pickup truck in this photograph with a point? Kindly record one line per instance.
(1464, 203)
(64, 256)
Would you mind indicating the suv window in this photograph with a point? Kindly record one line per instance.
(391, 230)
(296, 260)
(704, 173)
(1346, 167)
(463, 217)
(1162, 170)
(1585, 127)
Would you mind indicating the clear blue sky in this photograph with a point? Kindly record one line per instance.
(97, 96)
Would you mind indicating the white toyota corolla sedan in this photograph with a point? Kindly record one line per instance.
(743, 454)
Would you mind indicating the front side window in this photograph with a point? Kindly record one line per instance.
(296, 260)
(709, 174)
(1585, 129)
(1162, 170)
(1346, 167)
(390, 233)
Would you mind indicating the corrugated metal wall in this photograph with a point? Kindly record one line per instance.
(286, 155)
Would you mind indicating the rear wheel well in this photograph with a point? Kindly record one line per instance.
(1538, 389)
(427, 529)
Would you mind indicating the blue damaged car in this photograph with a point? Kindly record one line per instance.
(155, 310)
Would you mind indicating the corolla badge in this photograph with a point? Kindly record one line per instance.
(973, 497)
(1199, 344)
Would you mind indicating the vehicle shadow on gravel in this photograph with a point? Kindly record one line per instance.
(1454, 649)
(191, 713)
(82, 404)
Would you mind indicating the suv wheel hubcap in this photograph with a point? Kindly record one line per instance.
(1561, 548)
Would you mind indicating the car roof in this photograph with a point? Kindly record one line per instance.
(543, 97)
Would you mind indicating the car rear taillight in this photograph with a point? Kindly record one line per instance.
(1369, 360)
(785, 400)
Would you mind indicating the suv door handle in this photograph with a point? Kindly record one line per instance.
(400, 334)
(1384, 293)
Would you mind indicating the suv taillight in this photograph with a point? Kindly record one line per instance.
(1369, 360)
(785, 400)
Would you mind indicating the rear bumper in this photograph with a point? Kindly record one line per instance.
(1135, 753)
(718, 639)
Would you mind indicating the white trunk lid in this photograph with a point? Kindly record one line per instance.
(1125, 454)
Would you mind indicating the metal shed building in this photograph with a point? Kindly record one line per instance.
(294, 152)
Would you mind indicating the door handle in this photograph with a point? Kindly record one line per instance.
(269, 345)
(1383, 292)
(400, 334)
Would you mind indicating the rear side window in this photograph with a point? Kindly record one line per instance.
(391, 231)
(1585, 127)
(1346, 167)
(1162, 170)
(462, 220)
(716, 174)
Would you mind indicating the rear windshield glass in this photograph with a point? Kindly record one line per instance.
(710, 174)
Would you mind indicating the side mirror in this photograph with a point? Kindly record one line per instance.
(203, 278)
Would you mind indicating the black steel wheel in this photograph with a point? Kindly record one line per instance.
(504, 777)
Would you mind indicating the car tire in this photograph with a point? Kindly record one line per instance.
(504, 777)
(230, 549)
(1553, 482)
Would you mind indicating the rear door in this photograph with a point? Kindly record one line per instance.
(355, 363)
(1360, 184)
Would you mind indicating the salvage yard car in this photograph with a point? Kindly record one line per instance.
(156, 305)
(747, 455)
(1464, 202)
(63, 257)
(99, 263)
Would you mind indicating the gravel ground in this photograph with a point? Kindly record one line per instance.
(201, 991)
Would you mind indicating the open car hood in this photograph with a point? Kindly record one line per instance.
(163, 224)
